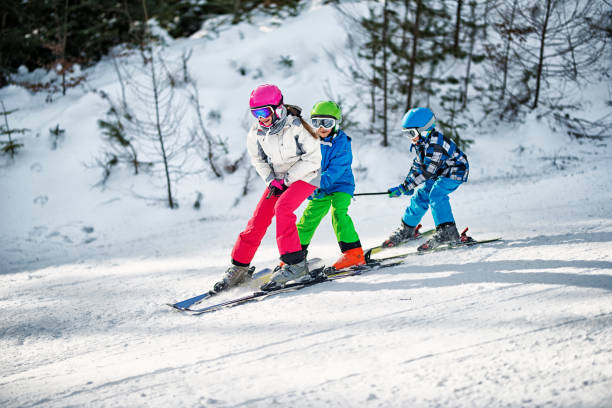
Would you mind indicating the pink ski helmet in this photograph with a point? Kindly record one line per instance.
(266, 95)
(265, 100)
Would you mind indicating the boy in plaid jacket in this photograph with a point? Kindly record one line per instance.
(439, 168)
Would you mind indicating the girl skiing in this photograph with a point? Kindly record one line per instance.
(337, 186)
(441, 167)
(285, 152)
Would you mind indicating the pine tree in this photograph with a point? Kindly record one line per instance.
(10, 145)
(452, 119)
(158, 129)
(418, 46)
(370, 51)
(121, 145)
(364, 71)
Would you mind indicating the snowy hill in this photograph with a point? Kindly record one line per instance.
(85, 272)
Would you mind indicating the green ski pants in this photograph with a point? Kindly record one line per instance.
(341, 221)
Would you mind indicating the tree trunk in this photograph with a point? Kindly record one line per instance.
(236, 17)
(160, 135)
(403, 54)
(507, 51)
(384, 72)
(485, 30)
(8, 129)
(430, 78)
(405, 24)
(457, 27)
(210, 153)
(541, 58)
(373, 88)
(464, 97)
(413, 57)
(63, 49)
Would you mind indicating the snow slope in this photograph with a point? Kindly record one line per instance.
(85, 273)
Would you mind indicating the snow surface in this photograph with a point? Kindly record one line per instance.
(85, 272)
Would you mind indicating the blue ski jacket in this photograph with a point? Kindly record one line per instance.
(437, 156)
(336, 160)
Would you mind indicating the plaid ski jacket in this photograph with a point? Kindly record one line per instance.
(437, 156)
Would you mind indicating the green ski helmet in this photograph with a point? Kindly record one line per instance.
(327, 109)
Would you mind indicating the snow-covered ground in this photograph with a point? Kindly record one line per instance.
(85, 273)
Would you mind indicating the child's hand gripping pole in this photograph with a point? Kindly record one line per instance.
(399, 190)
(276, 188)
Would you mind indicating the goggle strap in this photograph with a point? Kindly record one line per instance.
(428, 125)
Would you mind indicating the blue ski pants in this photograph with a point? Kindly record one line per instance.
(434, 193)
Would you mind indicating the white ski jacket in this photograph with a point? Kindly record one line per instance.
(292, 154)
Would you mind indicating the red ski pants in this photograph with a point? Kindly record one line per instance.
(283, 207)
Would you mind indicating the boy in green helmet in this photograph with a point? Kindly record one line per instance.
(337, 186)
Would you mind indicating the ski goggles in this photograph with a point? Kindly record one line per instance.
(262, 112)
(326, 123)
(414, 132)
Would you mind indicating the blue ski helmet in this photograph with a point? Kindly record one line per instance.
(421, 119)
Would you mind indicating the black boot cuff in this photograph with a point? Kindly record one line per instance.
(235, 262)
(293, 258)
(345, 246)
(444, 225)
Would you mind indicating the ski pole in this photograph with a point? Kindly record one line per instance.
(365, 194)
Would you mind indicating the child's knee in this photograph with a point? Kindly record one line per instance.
(339, 213)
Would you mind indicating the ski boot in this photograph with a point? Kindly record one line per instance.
(446, 234)
(403, 234)
(288, 272)
(298, 272)
(282, 263)
(351, 257)
(234, 276)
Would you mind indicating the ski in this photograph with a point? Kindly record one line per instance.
(257, 279)
(438, 249)
(289, 287)
(417, 235)
(261, 276)
(333, 274)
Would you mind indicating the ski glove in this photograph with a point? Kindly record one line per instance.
(276, 188)
(317, 194)
(398, 191)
